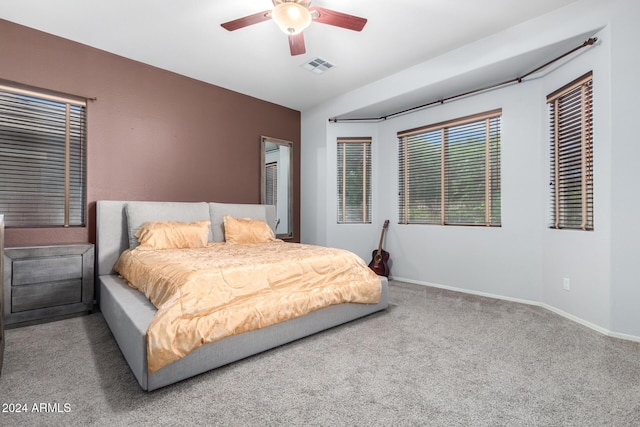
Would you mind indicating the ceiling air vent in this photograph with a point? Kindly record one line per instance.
(318, 66)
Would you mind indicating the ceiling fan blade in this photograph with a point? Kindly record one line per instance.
(338, 19)
(296, 44)
(256, 18)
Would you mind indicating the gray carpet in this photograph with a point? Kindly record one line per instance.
(435, 357)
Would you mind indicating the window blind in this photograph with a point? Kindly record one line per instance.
(354, 180)
(449, 173)
(571, 154)
(271, 184)
(42, 159)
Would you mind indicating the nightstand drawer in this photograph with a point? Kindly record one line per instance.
(47, 282)
(40, 270)
(40, 295)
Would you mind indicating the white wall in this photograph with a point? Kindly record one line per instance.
(625, 152)
(359, 238)
(313, 173)
(483, 259)
(523, 259)
(583, 257)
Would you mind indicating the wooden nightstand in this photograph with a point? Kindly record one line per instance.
(1, 291)
(47, 282)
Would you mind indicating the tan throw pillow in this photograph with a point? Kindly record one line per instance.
(247, 230)
(173, 234)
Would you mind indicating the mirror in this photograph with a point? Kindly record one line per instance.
(276, 182)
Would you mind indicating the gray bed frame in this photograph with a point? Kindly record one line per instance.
(128, 312)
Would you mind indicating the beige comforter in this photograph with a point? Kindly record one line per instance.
(206, 294)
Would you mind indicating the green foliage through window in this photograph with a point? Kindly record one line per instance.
(354, 180)
(571, 154)
(449, 173)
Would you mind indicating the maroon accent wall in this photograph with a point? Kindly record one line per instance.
(152, 134)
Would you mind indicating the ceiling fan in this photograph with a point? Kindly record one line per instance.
(293, 16)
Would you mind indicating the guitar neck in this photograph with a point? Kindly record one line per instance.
(384, 227)
(381, 239)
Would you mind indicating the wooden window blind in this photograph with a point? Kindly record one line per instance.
(42, 159)
(449, 173)
(354, 180)
(271, 184)
(571, 154)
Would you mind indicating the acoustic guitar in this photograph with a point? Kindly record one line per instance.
(380, 262)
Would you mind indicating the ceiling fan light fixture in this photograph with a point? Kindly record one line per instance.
(291, 17)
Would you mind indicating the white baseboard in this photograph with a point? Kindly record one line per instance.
(556, 310)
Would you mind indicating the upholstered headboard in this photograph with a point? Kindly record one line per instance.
(117, 221)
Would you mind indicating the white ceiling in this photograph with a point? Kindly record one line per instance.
(184, 36)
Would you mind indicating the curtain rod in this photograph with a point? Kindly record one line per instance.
(588, 42)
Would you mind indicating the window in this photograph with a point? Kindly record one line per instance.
(42, 159)
(449, 173)
(571, 117)
(354, 180)
(271, 183)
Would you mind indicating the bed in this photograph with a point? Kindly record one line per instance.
(129, 313)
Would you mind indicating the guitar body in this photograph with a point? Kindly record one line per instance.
(380, 264)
